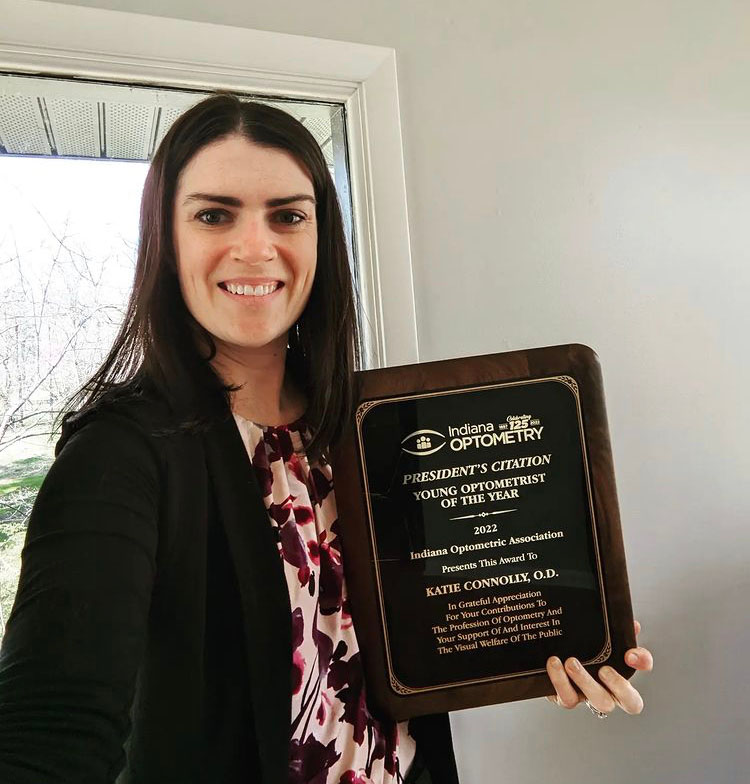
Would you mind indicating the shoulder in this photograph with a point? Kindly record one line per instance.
(115, 435)
(134, 430)
(143, 414)
(108, 438)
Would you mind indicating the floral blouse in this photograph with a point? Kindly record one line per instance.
(334, 739)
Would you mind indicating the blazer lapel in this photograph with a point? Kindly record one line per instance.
(263, 591)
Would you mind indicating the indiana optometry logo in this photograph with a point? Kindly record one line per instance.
(423, 442)
(517, 429)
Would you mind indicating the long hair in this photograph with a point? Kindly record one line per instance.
(156, 348)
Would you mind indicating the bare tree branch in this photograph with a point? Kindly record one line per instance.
(4, 423)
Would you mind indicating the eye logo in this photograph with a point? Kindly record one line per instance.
(423, 442)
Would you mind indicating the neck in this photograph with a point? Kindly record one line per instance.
(267, 395)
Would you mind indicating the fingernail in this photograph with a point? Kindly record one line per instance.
(574, 664)
(606, 673)
(555, 662)
(632, 658)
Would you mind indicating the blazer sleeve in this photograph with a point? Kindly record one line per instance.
(77, 631)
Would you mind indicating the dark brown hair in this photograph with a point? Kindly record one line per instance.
(156, 348)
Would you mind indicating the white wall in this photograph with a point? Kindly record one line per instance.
(579, 170)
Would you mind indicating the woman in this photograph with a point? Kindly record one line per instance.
(182, 556)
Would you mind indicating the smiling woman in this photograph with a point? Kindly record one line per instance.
(239, 192)
(182, 611)
(246, 269)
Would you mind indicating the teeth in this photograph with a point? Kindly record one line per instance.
(252, 291)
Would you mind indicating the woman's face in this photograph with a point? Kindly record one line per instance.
(246, 239)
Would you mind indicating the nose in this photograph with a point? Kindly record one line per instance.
(253, 241)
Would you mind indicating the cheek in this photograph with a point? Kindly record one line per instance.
(183, 272)
(190, 279)
(181, 260)
(308, 278)
(310, 256)
(193, 263)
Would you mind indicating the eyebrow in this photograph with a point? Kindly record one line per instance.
(233, 201)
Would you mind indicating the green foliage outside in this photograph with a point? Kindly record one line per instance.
(20, 481)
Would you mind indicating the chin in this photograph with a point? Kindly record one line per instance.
(257, 344)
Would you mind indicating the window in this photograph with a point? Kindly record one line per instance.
(114, 106)
(73, 157)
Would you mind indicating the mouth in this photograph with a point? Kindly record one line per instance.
(251, 290)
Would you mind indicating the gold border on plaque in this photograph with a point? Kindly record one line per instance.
(362, 410)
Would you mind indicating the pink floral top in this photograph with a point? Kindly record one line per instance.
(334, 739)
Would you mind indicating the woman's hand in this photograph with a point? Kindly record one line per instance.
(606, 694)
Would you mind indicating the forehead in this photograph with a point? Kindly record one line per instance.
(238, 165)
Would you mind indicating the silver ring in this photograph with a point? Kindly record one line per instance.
(599, 714)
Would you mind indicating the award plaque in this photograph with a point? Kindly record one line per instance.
(480, 529)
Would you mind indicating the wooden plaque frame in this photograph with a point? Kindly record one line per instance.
(575, 367)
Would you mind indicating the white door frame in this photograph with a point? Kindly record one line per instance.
(55, 39)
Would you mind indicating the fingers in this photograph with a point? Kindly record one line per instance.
(573, 684)
(599, 697)
(640, 659)
(567, 696)
(621, 690)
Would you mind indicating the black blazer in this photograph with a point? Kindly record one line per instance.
(150, 639)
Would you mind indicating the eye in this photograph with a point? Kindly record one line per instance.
(290, 218)
(212, 217)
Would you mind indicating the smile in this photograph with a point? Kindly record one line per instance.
(262, 290)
